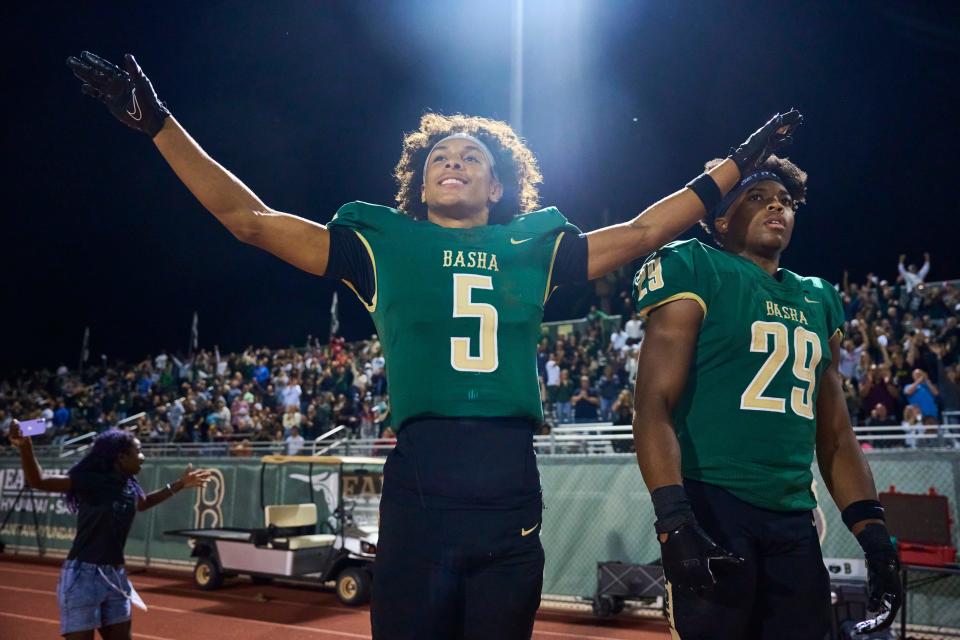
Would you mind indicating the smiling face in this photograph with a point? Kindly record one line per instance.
(760, 221)
(459, 182)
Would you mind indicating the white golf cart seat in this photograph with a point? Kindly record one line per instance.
(296, 515)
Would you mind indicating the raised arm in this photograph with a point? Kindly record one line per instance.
(303, 243)
(190, 478)
(849, 480)
(925, 269)
(130, 97)
(612, 247)
(33, 475)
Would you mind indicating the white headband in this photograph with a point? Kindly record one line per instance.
(463, 136)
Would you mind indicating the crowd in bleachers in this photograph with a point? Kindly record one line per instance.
(898, 362)
(899, 357)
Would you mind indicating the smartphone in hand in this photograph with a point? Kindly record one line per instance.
(33, 427)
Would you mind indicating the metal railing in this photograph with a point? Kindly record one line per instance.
(593, 438)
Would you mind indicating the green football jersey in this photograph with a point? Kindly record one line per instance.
(458, 311)
(747, 418)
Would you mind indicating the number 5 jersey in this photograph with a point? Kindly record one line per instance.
(458, 311)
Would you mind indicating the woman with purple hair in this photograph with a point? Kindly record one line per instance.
(94, 591)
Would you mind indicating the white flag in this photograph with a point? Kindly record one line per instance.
(334, 321)
(194, 333)
(85, 348)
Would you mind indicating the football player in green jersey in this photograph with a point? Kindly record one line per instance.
(737, 388)
(455, 278)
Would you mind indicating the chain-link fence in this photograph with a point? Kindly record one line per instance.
(597, 508)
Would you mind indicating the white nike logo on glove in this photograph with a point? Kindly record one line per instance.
(137, 113)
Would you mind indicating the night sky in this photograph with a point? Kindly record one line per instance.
(307, 103)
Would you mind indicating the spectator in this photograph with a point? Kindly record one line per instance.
(61, 417)
(634, 329)
(879, 417)
(385, 443)
(608, 386)
(849, 355)
(290, 394)
(878, 387)
(292, 419)
(912, 424)
(586, 402)
(913, 278)
(922, 394)
(563, 407)
(622, 414)
(294, 441)
(920, 356)
(948, 387)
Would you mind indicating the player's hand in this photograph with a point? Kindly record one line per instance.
(195, 478)
(776, 134)
(886, 594)
(690, 557)
(127, 94)
(17, 439)
(883, 578)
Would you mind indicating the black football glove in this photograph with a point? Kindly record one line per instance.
(883, 578)
(767, 140)
(690, 557)
(128, 94)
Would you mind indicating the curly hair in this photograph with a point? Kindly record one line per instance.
(107, 447)
(794, 179)
(516, 164)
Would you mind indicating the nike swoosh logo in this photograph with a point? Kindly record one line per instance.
(806, 299)
(526, 532)
(512, 241)
(137, 113)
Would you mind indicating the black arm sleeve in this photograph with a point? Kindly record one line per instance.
(570, 264)
(350, 261)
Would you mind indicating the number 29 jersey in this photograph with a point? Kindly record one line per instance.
(458, 311)
(747, 418)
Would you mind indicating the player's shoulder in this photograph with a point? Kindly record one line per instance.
(364, 215)
(692, 252)
(813, 286)
(542, 221)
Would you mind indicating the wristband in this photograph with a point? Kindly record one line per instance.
(862, 510)
(170, 489)
(672, 507)
(707, 190)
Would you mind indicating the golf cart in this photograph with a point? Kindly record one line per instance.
(333, 541)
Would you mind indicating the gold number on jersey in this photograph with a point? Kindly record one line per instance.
(752, 397)
(465, 307)
(805, 343)
(806, 347)
(650, 278)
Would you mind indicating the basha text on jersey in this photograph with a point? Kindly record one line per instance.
(471, 260)
(785, 312)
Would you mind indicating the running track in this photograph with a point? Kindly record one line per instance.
(179, 611)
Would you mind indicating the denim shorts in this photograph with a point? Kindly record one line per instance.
(92, 596)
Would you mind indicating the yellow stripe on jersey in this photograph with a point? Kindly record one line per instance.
(685, 295)
(372, 305)
(548, 291)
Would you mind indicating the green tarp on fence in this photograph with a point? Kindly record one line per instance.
(597, 509)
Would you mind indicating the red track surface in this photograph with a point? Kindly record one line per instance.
(179, 611)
